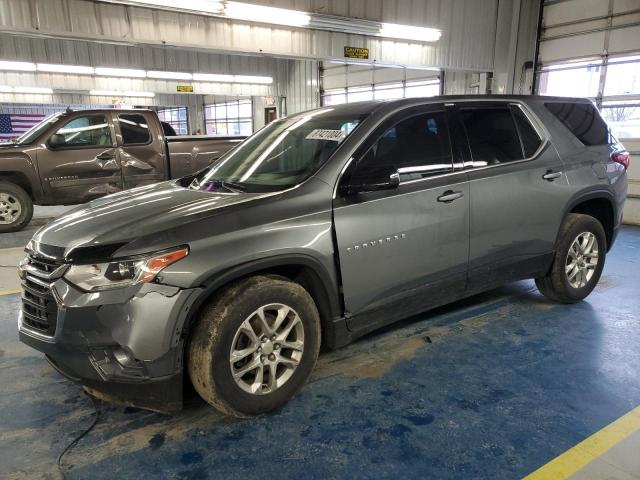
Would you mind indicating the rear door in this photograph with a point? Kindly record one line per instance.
(79, 161)
(141, 149)
(405, 249)
(517, 189)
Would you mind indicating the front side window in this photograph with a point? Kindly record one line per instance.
(492, 135)
(84, 131)
(415, 148)
(282, 154)
(134, 129)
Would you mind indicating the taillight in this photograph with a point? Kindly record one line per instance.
(622, 158)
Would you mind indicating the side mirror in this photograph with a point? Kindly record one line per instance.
(391, 184)
(56, 140)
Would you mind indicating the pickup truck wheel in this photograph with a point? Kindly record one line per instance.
(578, 261)
(16, 207)
(254, 346)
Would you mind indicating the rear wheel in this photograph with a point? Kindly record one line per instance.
(16, 207)
(254, 346)
(578, 261)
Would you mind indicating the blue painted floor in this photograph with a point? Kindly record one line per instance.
(492, 387)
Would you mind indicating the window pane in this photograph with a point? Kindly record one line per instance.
(386, 92)
(232, 110)
(623, 78)
(563, 81)
(623, 118)
(359, 94)
(91, 130)
(530, 139)
(422, 89)
(245, 129)
(583, 120)
(492, 135)
(134, 129)
(221, 110)
(415, 148)
(245, 109)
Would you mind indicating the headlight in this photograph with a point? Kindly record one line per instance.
(122, 273)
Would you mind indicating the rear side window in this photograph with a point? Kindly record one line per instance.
(134, 129)
(492, 135)
(530, 139)
(583, 120)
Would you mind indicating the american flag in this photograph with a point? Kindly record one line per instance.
(12, 125)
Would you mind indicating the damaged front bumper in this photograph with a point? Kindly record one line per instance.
(123, 345)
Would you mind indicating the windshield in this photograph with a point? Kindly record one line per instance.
(281, 155)
(34, 132)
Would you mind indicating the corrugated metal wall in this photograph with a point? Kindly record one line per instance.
(468, 29)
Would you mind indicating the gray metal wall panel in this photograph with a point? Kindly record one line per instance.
(468, 28)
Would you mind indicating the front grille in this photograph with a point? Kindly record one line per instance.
(39, 308)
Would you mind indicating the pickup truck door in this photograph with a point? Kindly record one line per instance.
(518, 193)
(402, 250)
(141, 148)
(79, 161)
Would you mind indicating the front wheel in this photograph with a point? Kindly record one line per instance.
(16, 207)
(578, 261)
(254, 346)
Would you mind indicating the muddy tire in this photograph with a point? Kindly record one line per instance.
(16, 207)
(254, 346)
(578, 260)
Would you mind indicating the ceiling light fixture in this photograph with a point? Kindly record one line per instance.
(35, 90)
(212, 77)
(6, 89)
(211, 7)
(252, 79)
(120, 72)
(260, 13)
(161, 74)
(119, 93)
(294, 18)
(54, 68)
(17, 66)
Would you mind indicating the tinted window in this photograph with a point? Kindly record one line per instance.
(134, 129)
(415, 147)
(168, 130)
(86, 131)
(583, 120)
(530, 139)
(492, 135)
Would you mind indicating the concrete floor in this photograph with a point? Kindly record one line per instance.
(492, 387)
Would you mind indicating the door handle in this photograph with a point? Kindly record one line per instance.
(551, 175)
(105, 156)
(450, 196)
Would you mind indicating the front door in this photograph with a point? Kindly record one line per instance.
(143, 160)
(517, 184)
(79, 161)
(403, 250)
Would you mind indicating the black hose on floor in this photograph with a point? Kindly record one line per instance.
(75, 441)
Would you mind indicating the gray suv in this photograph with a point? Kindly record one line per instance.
(319, 228)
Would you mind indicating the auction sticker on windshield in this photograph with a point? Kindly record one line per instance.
(325, 134)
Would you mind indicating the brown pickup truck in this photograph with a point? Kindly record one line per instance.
(76, 156)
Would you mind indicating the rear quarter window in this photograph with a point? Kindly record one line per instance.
(583, 120)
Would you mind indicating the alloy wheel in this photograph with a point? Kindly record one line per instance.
(10, 208)
(267, 349)
(582, 260)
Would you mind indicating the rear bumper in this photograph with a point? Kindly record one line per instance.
(123, 346)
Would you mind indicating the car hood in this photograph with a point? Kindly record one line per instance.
(133, 214)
